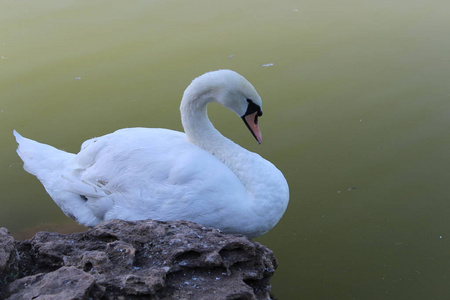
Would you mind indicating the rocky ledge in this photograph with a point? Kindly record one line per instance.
(135, 260)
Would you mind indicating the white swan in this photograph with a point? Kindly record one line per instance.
(152, 173)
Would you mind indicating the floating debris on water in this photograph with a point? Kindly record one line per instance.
(267, 65)
(77, 78)
(352, 188)
(230, 56)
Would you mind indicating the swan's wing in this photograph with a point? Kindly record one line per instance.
(142, 173)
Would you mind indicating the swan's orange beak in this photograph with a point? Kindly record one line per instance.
(251, 120)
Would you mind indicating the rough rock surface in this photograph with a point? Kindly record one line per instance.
(8, 258)
(135, 260)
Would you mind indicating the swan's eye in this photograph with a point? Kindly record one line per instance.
(252, 108)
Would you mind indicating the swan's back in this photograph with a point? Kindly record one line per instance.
(138, 173)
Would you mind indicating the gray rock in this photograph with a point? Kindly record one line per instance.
(136, 260)
(64, 283)
(8, 258)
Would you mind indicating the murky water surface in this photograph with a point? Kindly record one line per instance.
(356, 114)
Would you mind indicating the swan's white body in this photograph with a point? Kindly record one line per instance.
(148, 173)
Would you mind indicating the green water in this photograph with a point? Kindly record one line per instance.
(356, 115)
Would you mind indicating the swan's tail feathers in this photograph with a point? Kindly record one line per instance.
(41, 160)
(51, 166)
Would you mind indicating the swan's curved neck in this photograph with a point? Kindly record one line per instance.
(264, 183)
(201, 132)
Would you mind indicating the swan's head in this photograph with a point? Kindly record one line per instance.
(232, 91)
